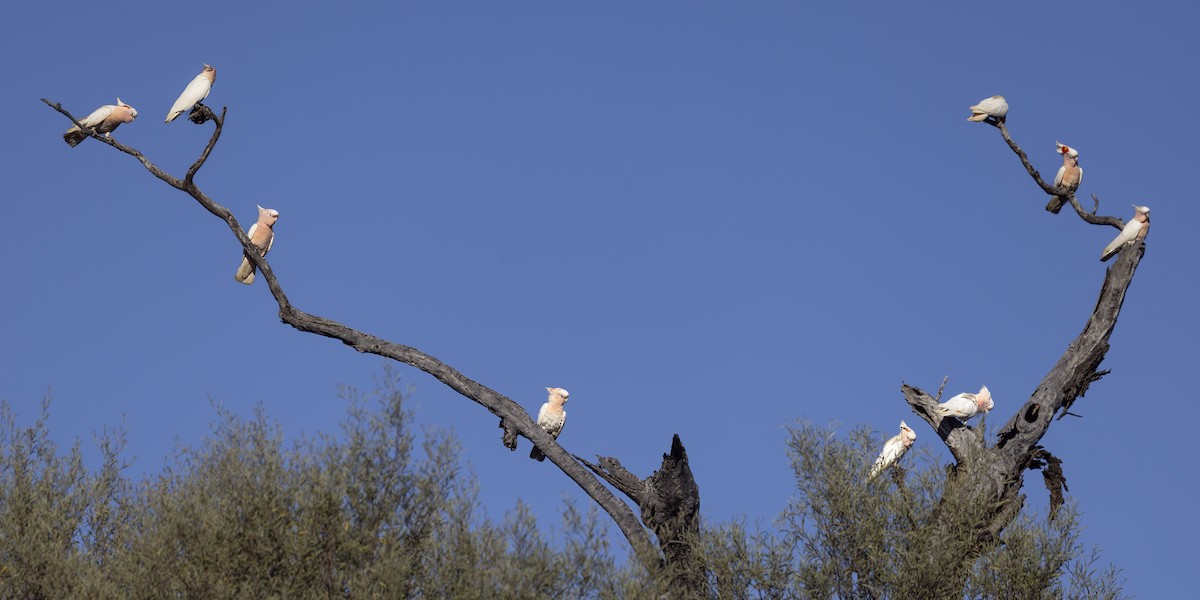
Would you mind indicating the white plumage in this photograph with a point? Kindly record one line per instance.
(995, 107)
(893, 449)
(195, 91)
(1134, 230)
(966, 405)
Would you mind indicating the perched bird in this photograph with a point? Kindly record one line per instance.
(1070, 175)
(102, 120)
(551, 418)
(893, 449)
(995, 107)
(195, 91)
(966, 405)
(262, 236)
(1136, 229)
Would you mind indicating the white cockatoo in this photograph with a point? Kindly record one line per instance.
(1135, 229)
(995, 107)
(1069, 176)
(893, 449)
(262, 235)
(195, 91)
(102, 120)
(551, 418)
(966, 405)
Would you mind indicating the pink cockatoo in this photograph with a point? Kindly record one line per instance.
(893, 449)
(195, 91)
(995, 107)
(1069, 176)
(1136, 229)
(551, 418)
(262, 235)
(102, 120)
(966, 405)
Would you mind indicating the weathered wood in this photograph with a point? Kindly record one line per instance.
(992, 477)
(513, 417)
(670, 506)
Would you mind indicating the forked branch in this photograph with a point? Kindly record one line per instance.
(513, 416)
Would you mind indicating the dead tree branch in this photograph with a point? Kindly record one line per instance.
(670, 504)
(512, 415)
(993, 476)
(1050, 189)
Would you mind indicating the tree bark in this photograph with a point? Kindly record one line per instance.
(513, 418)
(670, 506)
(985, 483)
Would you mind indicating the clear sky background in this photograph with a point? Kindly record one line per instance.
(710, 219)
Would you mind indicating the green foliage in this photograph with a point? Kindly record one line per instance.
(379, 511)
(846, 536)
(375, 512)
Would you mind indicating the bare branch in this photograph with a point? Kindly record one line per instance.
(511, 414)
(997, 473)
(154, 170)
(1037, 178)
(612, 471)
(1050, 189)
(220, 123)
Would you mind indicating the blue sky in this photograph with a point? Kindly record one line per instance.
(700, 218)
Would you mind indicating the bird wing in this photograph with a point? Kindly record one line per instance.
(1129, 232)
(270, 242)
(961, 406)
(1059, 177)
(543, 419)
(1079, 181)
(98, 116)
(893, 449)
(250, 232)
(195, 91)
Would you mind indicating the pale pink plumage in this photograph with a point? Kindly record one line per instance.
(1069, 176)
(102, 120)
(551, 418)
(262, 236)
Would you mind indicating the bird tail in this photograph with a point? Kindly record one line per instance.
(73, 136)
(1109, 251)
(536, 454)
(1055, 204)
(172, 115)
(245, 272)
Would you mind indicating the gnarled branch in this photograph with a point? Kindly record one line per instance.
(1050, 189)
(512, 415)
(993, 476)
